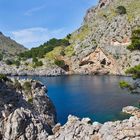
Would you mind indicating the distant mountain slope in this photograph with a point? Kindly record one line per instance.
(9, 47)
(108, 42)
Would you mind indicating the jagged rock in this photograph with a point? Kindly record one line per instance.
(22, 124)
(24, 70)
(21, 118)
(102, 28)
(25, 115)
(76, 129)
(132, 110)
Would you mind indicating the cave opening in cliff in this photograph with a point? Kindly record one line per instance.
(66, 67)
(103, 62)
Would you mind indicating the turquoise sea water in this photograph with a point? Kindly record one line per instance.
(97, 97)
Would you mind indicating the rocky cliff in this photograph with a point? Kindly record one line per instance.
(100, 45)
(26, 112)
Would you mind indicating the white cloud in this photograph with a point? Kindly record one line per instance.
(33, 37)
(33, 10)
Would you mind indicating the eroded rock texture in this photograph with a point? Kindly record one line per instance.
(26, 113)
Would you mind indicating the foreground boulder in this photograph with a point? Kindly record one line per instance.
(132, 110)
(77, 129)
(23, 124)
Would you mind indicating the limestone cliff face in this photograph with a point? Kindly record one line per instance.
(104, 28)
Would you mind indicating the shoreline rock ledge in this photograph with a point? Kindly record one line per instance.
(84, 129)
(27, 113)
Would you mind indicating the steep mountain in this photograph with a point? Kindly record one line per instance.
(100, 45)
(9, 47)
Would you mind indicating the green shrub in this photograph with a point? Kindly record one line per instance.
(34, 60)
(45, 48)
(12, 62)
(69, 51)
(57, 51)
(30, 100)
(121, 10)
(135, 71)
(59, 63)
(135, 45)
(124, 84)
(68, 36)
(133, 87)
(17, 63)
(3, 77)
(27, 86)
(17, 85)
(38, 64)
(9, 62)
(1, 57)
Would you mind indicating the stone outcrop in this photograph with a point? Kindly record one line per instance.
(77, 129)
(99, 62)
(104, 28)
(132, 110)
(24, 70)
(26, 112)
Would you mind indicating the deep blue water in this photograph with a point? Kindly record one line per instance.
(97, 97)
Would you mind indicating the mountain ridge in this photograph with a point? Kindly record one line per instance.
(9, 47)
(105, 44)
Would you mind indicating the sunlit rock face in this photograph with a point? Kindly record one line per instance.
(110, 31)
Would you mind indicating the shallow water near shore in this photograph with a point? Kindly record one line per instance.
(97, 97)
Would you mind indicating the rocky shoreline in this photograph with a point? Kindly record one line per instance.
(28, 113)
(45, 71)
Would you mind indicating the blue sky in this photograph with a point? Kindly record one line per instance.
(32, 22)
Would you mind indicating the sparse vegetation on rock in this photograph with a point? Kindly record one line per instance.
(27, 87)
(1, 56)
(3, 77)
(9, 48)
(135, 45)
(121, 10)
(134, 87)
(59, 63)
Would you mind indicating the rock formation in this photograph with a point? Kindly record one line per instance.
(105, 29)
(45, 70)
(84, 129)
(26, 112)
